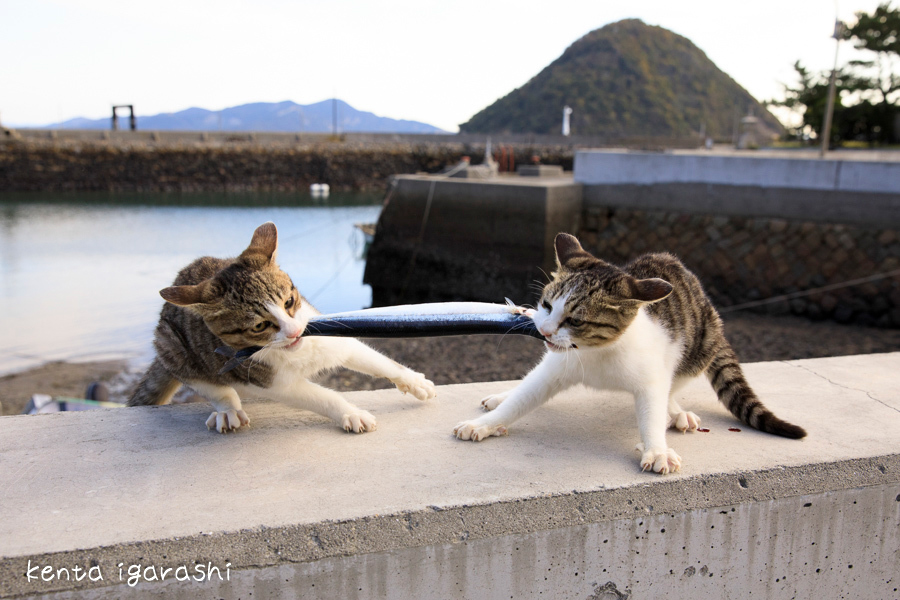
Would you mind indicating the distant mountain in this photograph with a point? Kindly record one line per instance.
(263, 116)
(626, 78)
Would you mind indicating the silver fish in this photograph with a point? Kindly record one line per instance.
(412, 320)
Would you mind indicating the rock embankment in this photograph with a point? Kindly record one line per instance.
(241, 165)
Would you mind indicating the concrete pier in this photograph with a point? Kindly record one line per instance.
(293, 507)
(468, 239)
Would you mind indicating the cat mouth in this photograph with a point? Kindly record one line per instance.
(293, 344)
(557, 348)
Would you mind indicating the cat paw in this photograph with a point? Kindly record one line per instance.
(493, 401)
(528, 312)
(472, 430)
(229, 420)
(416, 384)
(685, 421)
(358, 422)
(659, 460)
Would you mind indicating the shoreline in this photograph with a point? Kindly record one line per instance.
(467, 359)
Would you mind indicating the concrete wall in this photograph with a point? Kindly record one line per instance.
(596, 167)
(754, 228)
(742, 259)
(449, 239)
(293, 507)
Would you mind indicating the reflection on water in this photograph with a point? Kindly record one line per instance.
(80, 273)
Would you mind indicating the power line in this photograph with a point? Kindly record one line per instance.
(819, 290)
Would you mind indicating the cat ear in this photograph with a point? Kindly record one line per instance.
(264, 242)
(183, 295)
(650, 290)
(570, 254)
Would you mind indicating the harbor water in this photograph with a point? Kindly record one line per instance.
(80, 274)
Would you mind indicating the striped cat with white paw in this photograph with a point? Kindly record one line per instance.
(647, 328)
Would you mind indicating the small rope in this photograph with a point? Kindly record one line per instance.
(819, 290)
(425, 215)
(315, 295)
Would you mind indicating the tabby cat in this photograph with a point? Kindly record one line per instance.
(647, 328)
(245, 302)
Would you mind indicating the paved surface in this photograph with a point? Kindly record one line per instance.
(147, 484)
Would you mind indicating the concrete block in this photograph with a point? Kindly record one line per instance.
(293, 507)
(445, 239)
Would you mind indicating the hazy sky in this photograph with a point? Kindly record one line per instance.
(437, 62)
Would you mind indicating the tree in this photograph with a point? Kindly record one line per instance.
(878, 32)
(871, 87)
(809, 99)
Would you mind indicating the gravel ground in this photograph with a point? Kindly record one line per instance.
(448, 360)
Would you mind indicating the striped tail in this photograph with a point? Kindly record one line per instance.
(156, 387)
(734, 392)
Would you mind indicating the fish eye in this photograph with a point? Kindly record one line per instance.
(261, 326)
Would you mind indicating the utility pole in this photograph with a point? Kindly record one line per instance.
(334, 117)
(829, 109)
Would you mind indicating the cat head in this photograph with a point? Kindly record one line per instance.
(250, 302)
(588, 302)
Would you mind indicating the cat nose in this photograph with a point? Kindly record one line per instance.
(293, 332)
(545, 331)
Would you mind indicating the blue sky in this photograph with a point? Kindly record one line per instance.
(437, 62)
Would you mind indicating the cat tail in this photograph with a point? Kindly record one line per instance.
(727, 379)
(157, 386)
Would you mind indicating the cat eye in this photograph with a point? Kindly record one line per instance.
(546, 305)
(261, 326)
(289, 303)
(575, 322)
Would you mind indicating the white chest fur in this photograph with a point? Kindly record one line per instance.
(644, 356)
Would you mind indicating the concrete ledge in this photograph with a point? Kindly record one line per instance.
(294, 507)
(599, 167)
(850, 191)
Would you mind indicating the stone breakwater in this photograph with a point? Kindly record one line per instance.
(740, 259)
(64, 166)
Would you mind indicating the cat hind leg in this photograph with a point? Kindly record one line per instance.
(229, 414)
(682, 420)
(493, 401)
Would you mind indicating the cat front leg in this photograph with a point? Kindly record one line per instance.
(541, 384)
(367, 360)
(651, 406)
(325, 402)
(229, 414)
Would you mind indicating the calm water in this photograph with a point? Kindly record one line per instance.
(80, 273)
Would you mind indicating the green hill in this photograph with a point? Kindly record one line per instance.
(625, 79)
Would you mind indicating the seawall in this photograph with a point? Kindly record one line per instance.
(138, 161)
(755, 228)
(293, 507)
